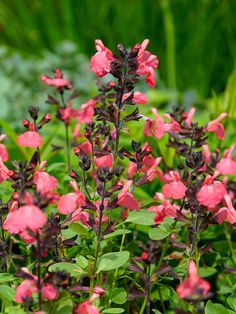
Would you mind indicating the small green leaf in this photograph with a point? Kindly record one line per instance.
(56, 165)
(158, 234)
(81, 261)
(112, 260)
(216, 308)
(113, 311)
(79, 228)
(156, 312)
(7, 292)
(72, 269)
(5, 277)
(117, 233)
(143, 217)
(118, 295)
(15, 310)
(231, 300)
(206, 271)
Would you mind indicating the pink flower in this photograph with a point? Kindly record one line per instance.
(5, 173)
(30, 138)
(80, 215)
(3, 152)
(126, 199)
(138, 98)
(43, 181)
(85, 148)
(57, 81)
(216, 127)
(166, 209)
(67, 114)
(49, 292)
(175, 188)
(86, 111)
(193, 287)
(211, 192)
(227, 213)
(155, 127)
(86, 308)
(173, 125)
(227, 165)
(151, 172)
(24, 290)
(104, 161)
(188, 116)
(26, 217)
(147, 63)
(69, 202)
(100, 62)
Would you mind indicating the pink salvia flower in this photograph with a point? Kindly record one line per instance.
(49, 292)
(211, 192)
(69, 202)
(166, 209)
(86, 111)
(30, 138)
(193, 287)
(188, 116)
(100, 62)
(86, 308)
(227, 165)
(155, 127)
(5, 173)
(67, 114)
(151, 172)
(175, 189)
(216, 127)
(126, 199)
(80, 215)
(24, 290)
(173, 125)
(226, 213)
(26, 217)
(43, 181)
(147, 63)
(138, 98)
(104, 161)
(3, 151)
(57, 81)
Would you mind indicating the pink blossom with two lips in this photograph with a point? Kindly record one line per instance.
(126, 199)
(100, 62)
(216, 127)
(174, 188)
(147, 63)
(227, 165)
(155, 127)
(44, 182)
(57, 81)
(226, 213)
(71, 201)
(211, 192)
(30, 138)
(193, 287)
(138, 98)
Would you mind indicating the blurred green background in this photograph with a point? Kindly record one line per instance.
(194, 40)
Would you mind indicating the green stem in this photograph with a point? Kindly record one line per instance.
(228, 237)
(143, 306)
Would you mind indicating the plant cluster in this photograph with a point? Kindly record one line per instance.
(116, 229)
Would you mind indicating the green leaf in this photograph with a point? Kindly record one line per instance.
(118, 295)
(65, 305)
(113, 310)
(79, 228)
(7, 292)
(156, 312)
(15, 310)
(231, 300)
(216, 308)
(56, 165)
(117, 233)
(206, 271)
(72, 269)
(143, 217)
(81, 261)
(112, 260)
(158, 234)
(5, 277)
